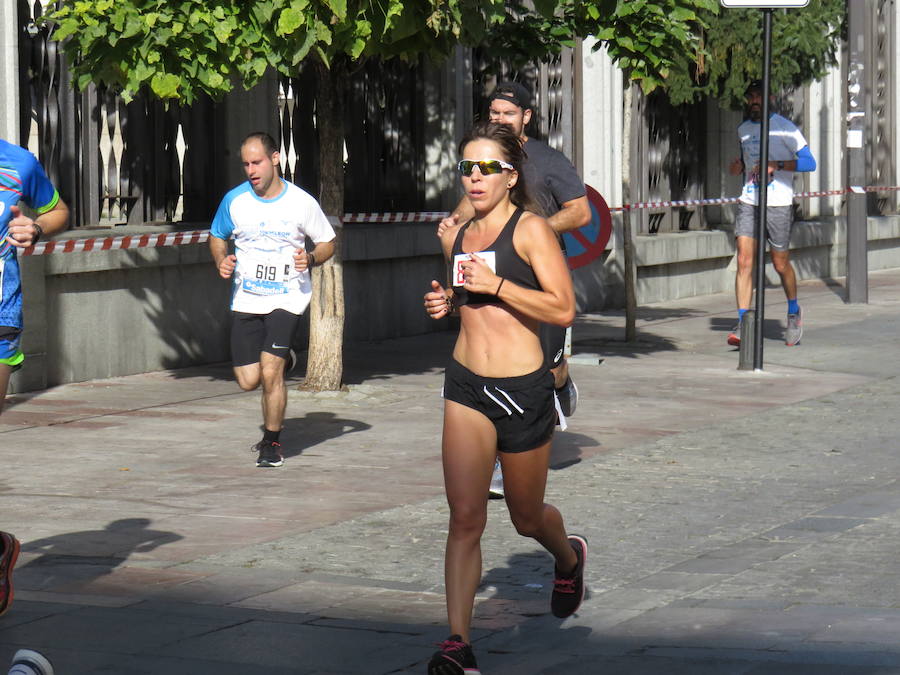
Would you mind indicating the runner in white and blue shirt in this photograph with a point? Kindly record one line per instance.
(789, 153)
(267, 233)
(269, 220)
(22, 180)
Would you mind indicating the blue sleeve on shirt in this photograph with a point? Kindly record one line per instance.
(805, 160)
(39, 192)
(222, 226)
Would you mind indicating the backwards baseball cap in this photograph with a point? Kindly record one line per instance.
(514, 92)
(755, 85)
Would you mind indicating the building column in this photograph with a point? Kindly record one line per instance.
(600, 156)
(9, 72)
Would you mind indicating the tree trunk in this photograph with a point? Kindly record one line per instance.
(325, 366)
(628, 264)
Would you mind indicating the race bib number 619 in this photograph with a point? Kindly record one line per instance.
(267, 277)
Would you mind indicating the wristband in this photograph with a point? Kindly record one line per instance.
(38, 233)
(311, 259)
(500, 285)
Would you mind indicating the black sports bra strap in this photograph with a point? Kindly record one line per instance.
(510, 226)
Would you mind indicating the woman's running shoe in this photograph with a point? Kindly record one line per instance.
(454, 657)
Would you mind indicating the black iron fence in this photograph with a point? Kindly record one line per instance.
(384, 136)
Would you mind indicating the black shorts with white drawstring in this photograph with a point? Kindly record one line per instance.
(521, 408)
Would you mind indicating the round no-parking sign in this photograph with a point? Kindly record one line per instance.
(587, 243)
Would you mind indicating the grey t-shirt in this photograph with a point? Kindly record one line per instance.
(550, 177)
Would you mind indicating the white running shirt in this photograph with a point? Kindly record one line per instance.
(266, 234)
(785, 140)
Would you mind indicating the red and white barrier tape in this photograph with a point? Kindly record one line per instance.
(201, 236)
(118, 243)
(420, 217)
(734, 200)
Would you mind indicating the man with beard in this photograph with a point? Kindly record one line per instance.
(788, 153)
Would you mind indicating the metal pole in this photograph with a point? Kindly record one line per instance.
(857, 227)
(763, 178)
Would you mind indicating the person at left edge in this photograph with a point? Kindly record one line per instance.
(269, 219)
(22, 179)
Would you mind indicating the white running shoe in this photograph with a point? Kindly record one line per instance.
(794, 330)
(29, 662)
(496, 489)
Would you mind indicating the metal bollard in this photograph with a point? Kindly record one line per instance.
(745, 351)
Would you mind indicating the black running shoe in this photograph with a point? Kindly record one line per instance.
(568, 589)
(455, 657)
(269, 454)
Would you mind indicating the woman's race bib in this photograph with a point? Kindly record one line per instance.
(489, 257)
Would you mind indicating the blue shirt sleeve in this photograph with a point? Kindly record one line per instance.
(38, 192)
(222, 225)
(805, 160)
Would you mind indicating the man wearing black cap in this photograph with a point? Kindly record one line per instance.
(788, 153)
(556, 187)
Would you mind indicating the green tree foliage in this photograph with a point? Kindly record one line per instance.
(181, 48)
(647, 40)
(805, 44)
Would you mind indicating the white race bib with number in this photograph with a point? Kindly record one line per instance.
(267, 275)
(489, 257)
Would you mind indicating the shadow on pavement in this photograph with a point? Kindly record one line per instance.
(82, 557)
(301, 433)
(566, 449)
(773, 329)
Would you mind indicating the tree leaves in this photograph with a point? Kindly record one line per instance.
(804, 45)
(181, 48)
(648, 39)
(178, 49)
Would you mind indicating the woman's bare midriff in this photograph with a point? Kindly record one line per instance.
(496, 341)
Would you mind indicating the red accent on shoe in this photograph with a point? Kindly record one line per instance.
(8, 558)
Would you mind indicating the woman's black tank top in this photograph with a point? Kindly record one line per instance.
(508, 265)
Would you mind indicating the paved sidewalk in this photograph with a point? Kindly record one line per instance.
(738, 522)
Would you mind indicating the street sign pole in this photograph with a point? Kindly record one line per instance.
(857, 200)
(759, 229)
(763, 196)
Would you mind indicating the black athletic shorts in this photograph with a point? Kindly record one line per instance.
(553, 342)
(252, 334)
(522, 408)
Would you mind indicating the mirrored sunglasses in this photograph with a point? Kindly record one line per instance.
(485, 166)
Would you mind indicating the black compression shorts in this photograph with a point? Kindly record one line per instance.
(252, 334)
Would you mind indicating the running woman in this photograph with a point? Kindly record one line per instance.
(508, 275)
(561, 197)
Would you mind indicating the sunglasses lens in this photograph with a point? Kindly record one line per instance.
(486, 167)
